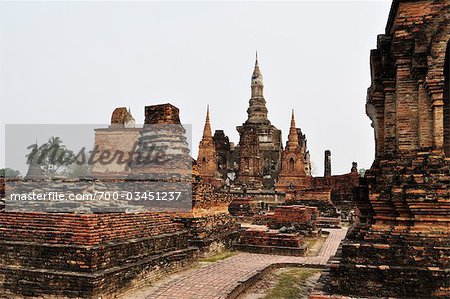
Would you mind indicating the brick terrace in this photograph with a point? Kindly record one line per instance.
(223, 279)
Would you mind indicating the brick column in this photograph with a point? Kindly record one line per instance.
(390, 117)
(425, 117)
(406, 107)
(378, 102)
(436, 90)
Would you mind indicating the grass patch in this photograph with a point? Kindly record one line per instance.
(314, 245)
(291, 284)
(217, 257)
(311, 241)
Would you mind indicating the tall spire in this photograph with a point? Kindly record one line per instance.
(293, 136)
(207, 134)
(257, 79)
(257, 112)
(207, 160)
(292, 119)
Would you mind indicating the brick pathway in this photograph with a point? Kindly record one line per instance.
(220, 279)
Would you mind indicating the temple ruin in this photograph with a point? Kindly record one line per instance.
(401, 245)
(259, 195)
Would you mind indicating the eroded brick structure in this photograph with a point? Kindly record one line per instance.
(207, 156)
(91, 255)
(260, 142)
(402, 245)
(295, 167)
(87, 256)
(121, 136)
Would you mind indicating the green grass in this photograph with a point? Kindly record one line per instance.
(217, 257)
(291, 284)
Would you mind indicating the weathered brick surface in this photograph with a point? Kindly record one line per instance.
(121, 117)
(83, 229)
(87, 255)
(207, 160)
(271, 242)
(211, 233)
(295, 166)
(343, 190)
(114, 139)
(260, 142)
(243, 205)
(328, 222)
(301, 217)
(162, 114)
(230, 277)
(101, 255)
(401, 245)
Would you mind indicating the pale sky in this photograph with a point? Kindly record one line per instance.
(74, 62)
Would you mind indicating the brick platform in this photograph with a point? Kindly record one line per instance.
(229, 277)
(88, 255)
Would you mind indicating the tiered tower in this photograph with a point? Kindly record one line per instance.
(294, 172)
(207, 160)
(260, 141)
(401, 248)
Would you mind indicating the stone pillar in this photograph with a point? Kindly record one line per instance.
(327, 171)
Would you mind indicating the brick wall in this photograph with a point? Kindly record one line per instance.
(83, 229)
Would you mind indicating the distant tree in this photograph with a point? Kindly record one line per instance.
(53, 156)
(10, 173)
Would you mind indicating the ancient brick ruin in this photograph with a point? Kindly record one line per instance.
(260, 145)
(103, 253)
(257, 176)
(401, 246)
(259, 195)
(296, 168)
(247, 179)
(207, 157)
(259, 171)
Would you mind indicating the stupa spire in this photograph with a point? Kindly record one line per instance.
(207, 134)
(257, 78)
(293, 136)
(257, 111)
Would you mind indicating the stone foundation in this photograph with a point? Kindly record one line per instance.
(88, 256)
(299, 217)
(211, 233)
(271, 242)
(409, 236)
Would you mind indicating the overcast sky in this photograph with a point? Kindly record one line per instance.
(74, 62)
